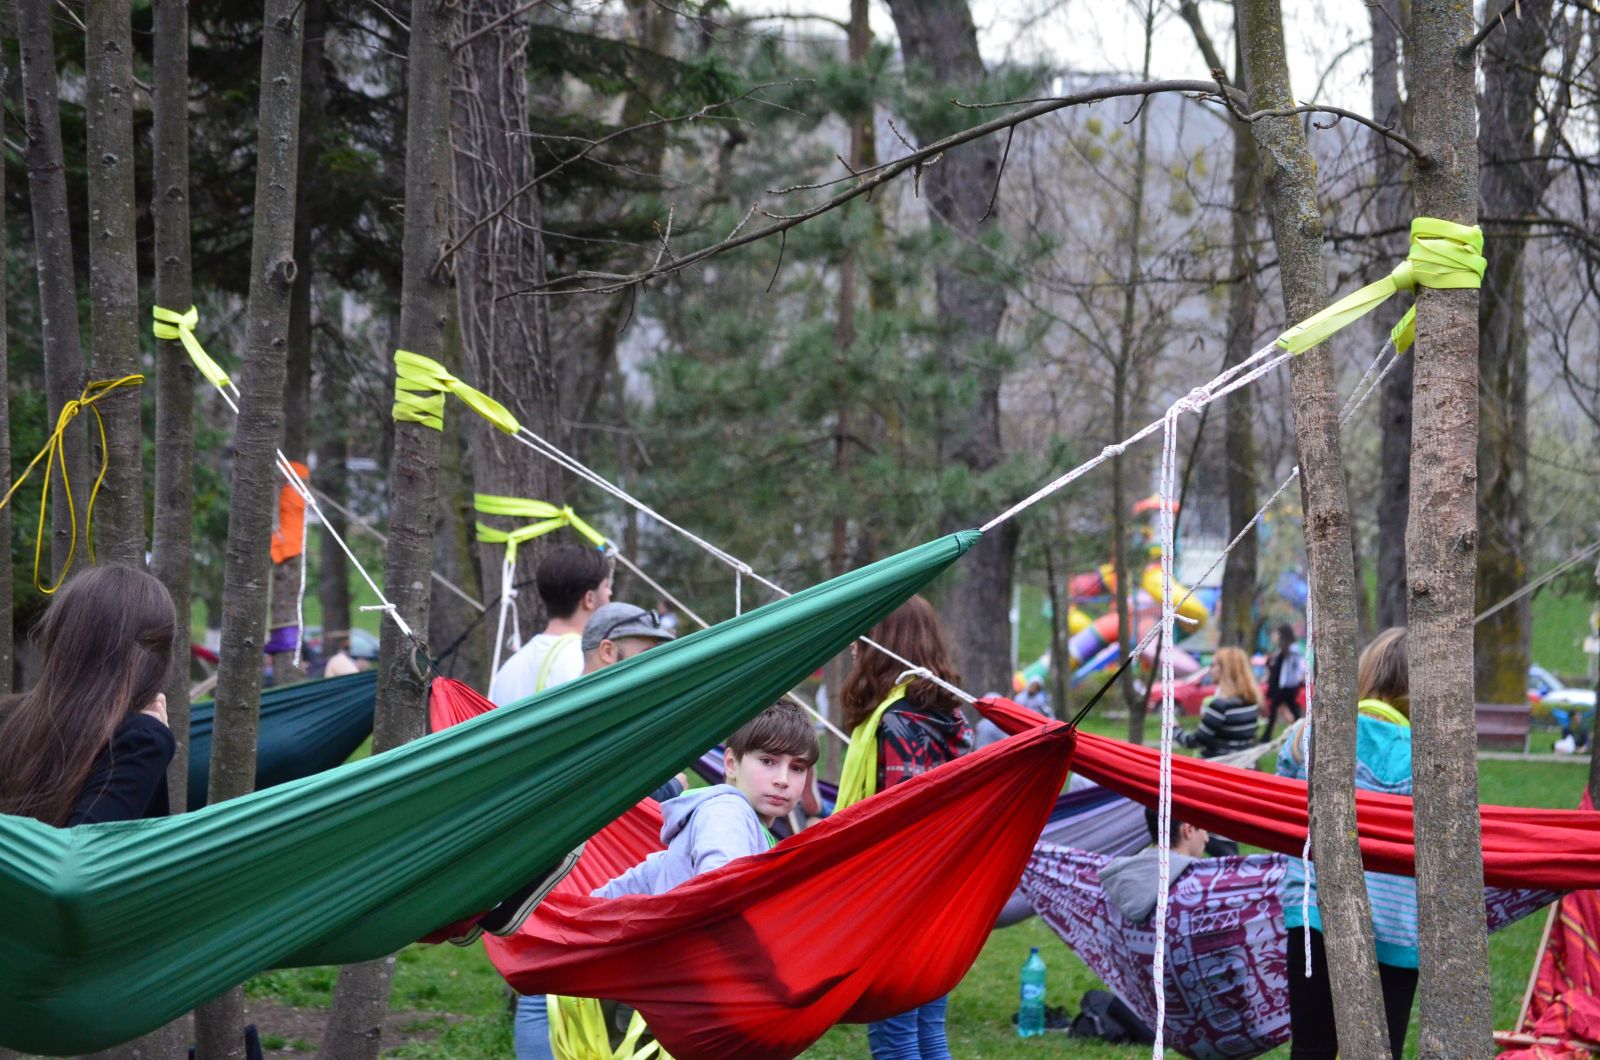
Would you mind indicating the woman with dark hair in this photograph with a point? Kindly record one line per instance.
(90, 742)
(901, 729)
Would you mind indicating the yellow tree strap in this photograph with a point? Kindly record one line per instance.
(550, 516)
(1443, 255)
(180, 326)
(859, 778)
(420, 385)
(578, 1032)
(51, 454)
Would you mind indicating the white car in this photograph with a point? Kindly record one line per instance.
(1548, 693)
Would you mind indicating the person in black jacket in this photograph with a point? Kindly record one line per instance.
(1228, 720)
(90, 742)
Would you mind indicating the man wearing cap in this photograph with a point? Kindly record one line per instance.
(614, 632)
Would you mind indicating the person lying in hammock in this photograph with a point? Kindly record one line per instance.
(767, 766)
(90, 742)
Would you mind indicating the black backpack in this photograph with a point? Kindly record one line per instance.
(1105, 1017)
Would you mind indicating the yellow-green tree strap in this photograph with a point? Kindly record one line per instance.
(1443, 255)
(52, 454)
(1404, 333)
(420, 386)
(550, 516)
(859, 778)
(180, 326)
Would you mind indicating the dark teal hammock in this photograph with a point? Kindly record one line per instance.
(305, 729)
(111, 930)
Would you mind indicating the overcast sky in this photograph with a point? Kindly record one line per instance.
(1326, 41)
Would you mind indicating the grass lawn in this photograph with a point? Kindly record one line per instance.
(447, 979)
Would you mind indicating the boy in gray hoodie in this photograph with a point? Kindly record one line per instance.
(766, 766)
(1131, 882)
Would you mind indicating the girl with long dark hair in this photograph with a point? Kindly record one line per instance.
(901, 729)
(90, 742)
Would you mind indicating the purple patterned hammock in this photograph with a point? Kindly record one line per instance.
(1227, 983)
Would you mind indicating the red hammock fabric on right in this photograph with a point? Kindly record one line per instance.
(1565, 1005)
(1555, 850)
(880, 908)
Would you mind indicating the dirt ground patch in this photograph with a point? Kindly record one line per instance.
(293, 1032)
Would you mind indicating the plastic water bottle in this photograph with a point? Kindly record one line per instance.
(1030, 1016)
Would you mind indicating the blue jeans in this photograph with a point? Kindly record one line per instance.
(914, 1035)
(530, 1033)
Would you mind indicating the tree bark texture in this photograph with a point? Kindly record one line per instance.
(333, 479)
(506, 343)
(1441, 557)
(297, 382)
(52, 236)
(114, 274)
(355, 1027)
(1289, 174)
(172, 526)
(1514, 177)
(940, 45)
(7, 659)
(1391, 213)
(248, 564)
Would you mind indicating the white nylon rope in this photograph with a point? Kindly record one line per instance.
(304, 489)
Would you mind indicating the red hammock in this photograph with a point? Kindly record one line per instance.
(1556, 850)
(880, 908)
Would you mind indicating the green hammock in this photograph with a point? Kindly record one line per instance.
(305, 728)
(112, 930)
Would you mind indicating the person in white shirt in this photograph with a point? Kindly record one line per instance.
(574, 583)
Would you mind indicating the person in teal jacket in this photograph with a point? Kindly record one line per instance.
(1383, 763)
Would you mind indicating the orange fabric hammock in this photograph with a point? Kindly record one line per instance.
(880, 908)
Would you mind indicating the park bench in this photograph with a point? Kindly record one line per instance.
(1504, 726)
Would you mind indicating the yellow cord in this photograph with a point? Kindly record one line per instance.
(51, 454)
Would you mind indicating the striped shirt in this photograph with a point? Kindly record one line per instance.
(1383, 763)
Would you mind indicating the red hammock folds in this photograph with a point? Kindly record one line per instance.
(880, 908)
(1563, 1011)
(1556, 850)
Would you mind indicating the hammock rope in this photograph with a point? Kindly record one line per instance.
(180, 326)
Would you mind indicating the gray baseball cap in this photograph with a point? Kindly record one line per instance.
(616, 620)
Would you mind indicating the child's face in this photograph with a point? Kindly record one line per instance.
(772, 782)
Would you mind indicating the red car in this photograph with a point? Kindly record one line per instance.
(1191, 694)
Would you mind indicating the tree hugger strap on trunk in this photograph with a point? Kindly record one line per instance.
(1443, 255)
(860, 776)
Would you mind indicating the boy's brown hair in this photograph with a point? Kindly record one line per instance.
(781, 729)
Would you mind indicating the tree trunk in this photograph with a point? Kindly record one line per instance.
(1441, 555)
(1125, 378)
(114, 273)
(1058, 579)
(361, 997)
(1290, 185)
(1515, 176)
(247, 570)
(940, 45)
(1394, 415)
(333, 570)
(52, 240)
(451, 618)
(493, 159)
(172, 528)
(7, 652)
(297, 389)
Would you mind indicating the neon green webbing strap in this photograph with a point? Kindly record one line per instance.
(859, 777)
(1443, 255)
(180, 326)
(550, 516)
(548, 663)
(420, 385)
